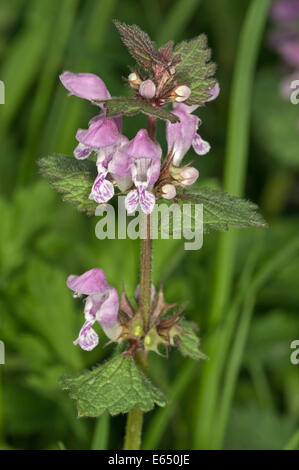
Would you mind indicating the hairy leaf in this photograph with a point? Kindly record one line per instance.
(115, 386)
(72, 177)
(188, 341)
(139, 44)
(195, 70)
(221, 210)
(131, 106)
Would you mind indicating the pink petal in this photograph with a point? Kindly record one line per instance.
(147, 202)
(132, 201)
(108, 311)
(88, 338)
(102, 133)
(81, 152)
(142, 146)
(91, 282)
(102, 189)
(180, 135)
(214, 92)
(201, 147)
(85, 85)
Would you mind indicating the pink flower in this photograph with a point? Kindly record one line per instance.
(145, 161)
(101, 304)
(102, 132)
(182, 135)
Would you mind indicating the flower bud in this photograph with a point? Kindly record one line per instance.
(188, 176)
(168, 191)
(134, 80)
(185, 176)
(181, 93)
(147, 89)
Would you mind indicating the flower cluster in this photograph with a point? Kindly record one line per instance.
(135, 166)
(119, 320)
(284, 39)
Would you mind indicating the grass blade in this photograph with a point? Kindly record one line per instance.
(101, 433)
(234, 178)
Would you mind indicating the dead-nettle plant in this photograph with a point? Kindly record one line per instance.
(169, 83)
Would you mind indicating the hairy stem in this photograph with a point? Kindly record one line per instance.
(135, 416)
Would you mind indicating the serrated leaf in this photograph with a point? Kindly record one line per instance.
(195, 70)
(131, 106)
(275, 120)
(72, 177)
(188, 341)
(115, 386)
(139, 44)
(221, 210)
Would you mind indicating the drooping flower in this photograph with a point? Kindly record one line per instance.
(101, 305)
(143, 162)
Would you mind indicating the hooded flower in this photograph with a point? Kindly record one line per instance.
(143, 161)
(102, 133)
(182, 135)
(101, 304)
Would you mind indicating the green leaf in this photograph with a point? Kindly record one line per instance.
(188, 341)
(116, 386)
(279, 140)
(131, 106)
(195, 70)
(139, 44)
(221, 210)
(72, 177)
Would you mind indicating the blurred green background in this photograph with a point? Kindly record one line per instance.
(247, 395)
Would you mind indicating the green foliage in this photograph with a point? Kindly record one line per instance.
(42, 239)
(131, 106)
(195, 70)
(221, 210)
(139, 44)
(71, 177)
(279, 141)
(188, 341)
(117, 386)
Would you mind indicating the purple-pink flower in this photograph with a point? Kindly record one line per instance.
(182, 135)
(134, 165)
(101, 305)
(144, 160)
